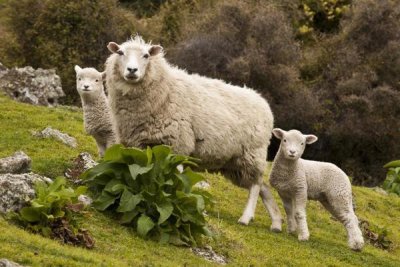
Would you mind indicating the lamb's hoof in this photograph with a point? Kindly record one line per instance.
(356, 245)
(304, 237)
(244, 220)
(292, 231)
(276, 226)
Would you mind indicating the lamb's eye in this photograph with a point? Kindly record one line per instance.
(146, 55)
(79, 79)
(284, 140)
(97, 81)
(302, 144)
(119, 52)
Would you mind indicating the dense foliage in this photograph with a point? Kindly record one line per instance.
(147, 191)
(53, 213)
(392, 182)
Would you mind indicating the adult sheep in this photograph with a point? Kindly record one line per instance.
(226, 126)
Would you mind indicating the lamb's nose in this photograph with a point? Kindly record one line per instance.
(132, 70)
(86, 86)
(292, 152)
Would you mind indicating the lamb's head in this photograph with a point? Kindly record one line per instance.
(133, 58)
(293, 142)
(89, 81)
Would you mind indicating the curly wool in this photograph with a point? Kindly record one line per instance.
(227, 127)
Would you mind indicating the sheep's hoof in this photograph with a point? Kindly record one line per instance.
(276, 226)
(356, 245)
(304, 237)
(244, 220)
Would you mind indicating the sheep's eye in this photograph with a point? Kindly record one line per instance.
(97, 81)
(284, 140)
(302, 144)
(146, 55)
(119, 52)
(79, 79)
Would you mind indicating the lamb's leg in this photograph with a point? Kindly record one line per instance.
(248, 212)
(300, 215)
(343, 211)
(289, 209)
(272, 208)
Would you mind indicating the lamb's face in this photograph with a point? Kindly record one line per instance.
(133, 59)
(293, 142)
(89, 80)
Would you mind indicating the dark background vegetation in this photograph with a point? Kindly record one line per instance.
(328, 67)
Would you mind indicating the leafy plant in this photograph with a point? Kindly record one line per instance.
(375, 235)
(392, 182)
(52, 212)
(147, 191)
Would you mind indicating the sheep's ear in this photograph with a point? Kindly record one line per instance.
(311, 139)
(103, 75)
(77, 68)
(155, 50)
(113, 47)
(278, 133)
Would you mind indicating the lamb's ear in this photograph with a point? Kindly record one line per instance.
(103, 75)
(311, 139)
(77, 69)
(113, 47)
(155, 50)
(278, 133)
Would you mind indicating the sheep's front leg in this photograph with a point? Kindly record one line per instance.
(289, 209)
(300, 215)
(249, 211)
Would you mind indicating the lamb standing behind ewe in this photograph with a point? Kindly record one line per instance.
(97, 118)
(226, 126)
(297, 179)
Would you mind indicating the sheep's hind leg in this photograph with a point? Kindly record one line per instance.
(248, 213)
(272, 208)
(343, 211)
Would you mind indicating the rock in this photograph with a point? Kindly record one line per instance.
(209, 254)
(7, 263)
(38, 87)
(17, 189)
(19, 162)
(85, 200)
(83, 162)
(202, 185)
(53, 133)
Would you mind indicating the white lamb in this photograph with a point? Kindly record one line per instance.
(297, 179)
(97, 118)
(226, 126)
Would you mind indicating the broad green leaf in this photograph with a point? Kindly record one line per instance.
(80, 190)
(30, 214)
(165, 209)
(161, 152)
(138, 156)
(129, 201)
(392, 164)
(104, 201)
(127, 217)
(194, 177)
(136, 170)
(149, 153)
(114, 186)
(144, 225)
(57, 183)
(114, 153)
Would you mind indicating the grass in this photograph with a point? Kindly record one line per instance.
(252, 245)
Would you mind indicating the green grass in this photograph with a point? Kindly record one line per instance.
(120, 246)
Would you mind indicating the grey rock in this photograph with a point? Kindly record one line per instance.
(85, 200)
(19, 162)
(81, 163)
(202, 185)
(33, 86)
(209, 254)
(49, 132)
(8, 263)
(18, 189)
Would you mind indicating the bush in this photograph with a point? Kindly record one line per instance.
(392, 182)
(147, 191)
(60, 34)
(52, 213)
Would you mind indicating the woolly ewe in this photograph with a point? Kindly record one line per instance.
(226, 126)
(297, 179)
(97, 119)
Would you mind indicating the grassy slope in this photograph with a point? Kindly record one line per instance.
(119, 246)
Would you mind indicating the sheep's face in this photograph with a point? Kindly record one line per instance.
(133, 59)
(293, 142)
(89, 80)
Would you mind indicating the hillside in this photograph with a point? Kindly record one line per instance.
(116, 245)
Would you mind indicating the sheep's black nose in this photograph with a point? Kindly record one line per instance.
(132, 70)
(86, 86)
(292, 151)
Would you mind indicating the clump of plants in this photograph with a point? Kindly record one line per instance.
(392, 182)
(147, 191)
(53, 213)
(375, 235)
